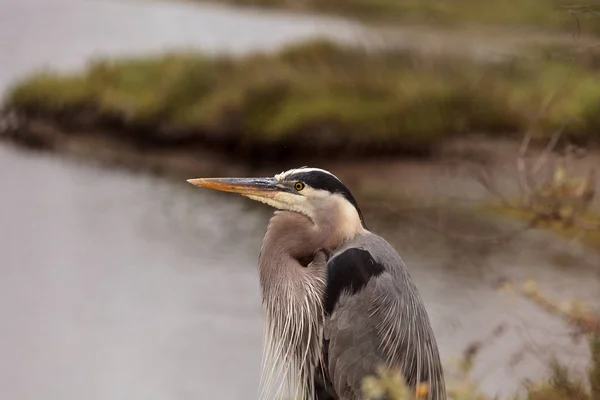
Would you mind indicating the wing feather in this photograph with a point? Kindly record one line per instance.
(381, 322)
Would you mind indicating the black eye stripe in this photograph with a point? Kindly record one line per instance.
(325, 181)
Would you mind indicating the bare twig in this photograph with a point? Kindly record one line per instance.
(584, 10)
(587, 225)
(586, 322)
(485, 180)
(578, 24)
(561, 198)
(541, 161)
(522, 168)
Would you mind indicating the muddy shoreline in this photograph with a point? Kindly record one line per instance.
(437, 173)
(180, 153)
(146, 143)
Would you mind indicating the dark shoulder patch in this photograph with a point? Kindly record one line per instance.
(349, 272)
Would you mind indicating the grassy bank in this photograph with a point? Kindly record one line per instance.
(545, 14)
(315, 97)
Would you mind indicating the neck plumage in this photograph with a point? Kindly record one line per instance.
(292, 300)
(293, 282)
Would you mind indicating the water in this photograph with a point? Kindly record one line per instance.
(65, 34)
(108, 293)
(115, 285)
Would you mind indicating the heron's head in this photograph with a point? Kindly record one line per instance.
(314, 192)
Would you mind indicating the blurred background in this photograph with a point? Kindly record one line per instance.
(467, 130)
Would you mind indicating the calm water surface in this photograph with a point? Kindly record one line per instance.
(116, 285)
(65, 34)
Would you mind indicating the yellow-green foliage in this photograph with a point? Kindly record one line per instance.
(595, 367)
(387, 384)
(561, 204)
(560, 385)
(546, 14)
(322, 90)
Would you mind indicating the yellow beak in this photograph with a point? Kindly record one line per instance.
(262, 187)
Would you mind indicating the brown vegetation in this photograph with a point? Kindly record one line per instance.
(316, 98)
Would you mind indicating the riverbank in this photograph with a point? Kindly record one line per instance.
(317, 102)
(393, 184)
(536, 14)
(342, 107)
(314, 99)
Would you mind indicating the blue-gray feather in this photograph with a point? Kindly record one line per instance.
(385, 322)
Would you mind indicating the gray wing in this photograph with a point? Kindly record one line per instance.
(375, 317)
(353, 350)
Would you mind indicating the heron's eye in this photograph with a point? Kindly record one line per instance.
(299, 186)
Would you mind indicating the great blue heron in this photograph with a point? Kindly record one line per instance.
(338, 299)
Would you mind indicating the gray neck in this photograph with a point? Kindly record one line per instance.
(293, 303)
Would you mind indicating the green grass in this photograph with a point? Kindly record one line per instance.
(320, 94)
(545, 14)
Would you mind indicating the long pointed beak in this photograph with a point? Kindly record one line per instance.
(261, 187)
